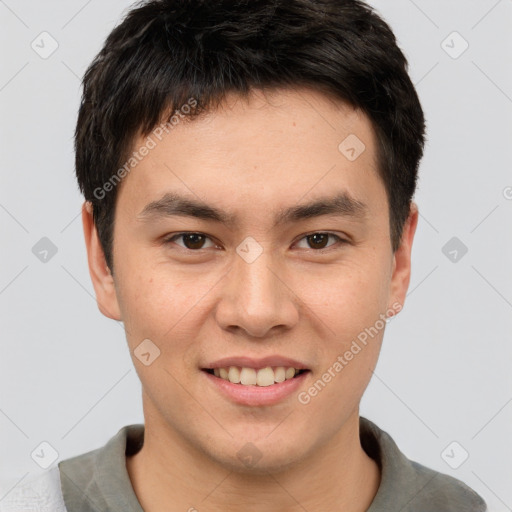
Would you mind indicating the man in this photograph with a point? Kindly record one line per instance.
(248, 169)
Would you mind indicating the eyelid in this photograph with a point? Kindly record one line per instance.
(340, 240)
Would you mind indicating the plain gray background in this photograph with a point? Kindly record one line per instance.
(444, 375)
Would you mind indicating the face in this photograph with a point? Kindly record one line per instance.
(255, 237)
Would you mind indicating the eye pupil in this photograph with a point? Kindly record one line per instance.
(318, 240)
(193, 240)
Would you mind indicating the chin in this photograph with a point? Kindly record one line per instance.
(258, 457)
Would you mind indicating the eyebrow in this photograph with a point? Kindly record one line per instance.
(173, 204)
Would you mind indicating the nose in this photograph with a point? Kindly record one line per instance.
(257, 298)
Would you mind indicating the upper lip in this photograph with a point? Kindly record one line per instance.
(256, 363)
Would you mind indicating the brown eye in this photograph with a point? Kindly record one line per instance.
(192, 241)
(319, 241)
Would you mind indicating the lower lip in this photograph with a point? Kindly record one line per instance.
(257, 395)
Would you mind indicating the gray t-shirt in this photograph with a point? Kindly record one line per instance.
(98, 481)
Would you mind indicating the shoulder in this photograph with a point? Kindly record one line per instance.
(409, 486)
(445, 493)
(40, 493)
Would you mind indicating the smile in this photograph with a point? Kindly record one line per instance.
(252, 377)
(251, 393)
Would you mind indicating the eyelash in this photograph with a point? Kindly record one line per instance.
(171, 239)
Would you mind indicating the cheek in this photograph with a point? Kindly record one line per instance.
(160, 304)
(348, 297)
(350, 310)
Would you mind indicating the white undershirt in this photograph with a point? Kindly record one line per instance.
(40, 493)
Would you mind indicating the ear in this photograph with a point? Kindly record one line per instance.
(101, 276)
(401, 273)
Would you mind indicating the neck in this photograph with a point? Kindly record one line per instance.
(169, 476)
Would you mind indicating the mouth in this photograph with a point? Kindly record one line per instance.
(255, 386)
(262, 377)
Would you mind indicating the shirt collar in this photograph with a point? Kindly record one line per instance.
(98, 481)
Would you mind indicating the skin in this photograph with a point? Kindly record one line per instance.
(251, 159)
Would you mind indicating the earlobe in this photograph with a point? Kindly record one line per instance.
(401, 272)
(101, 276)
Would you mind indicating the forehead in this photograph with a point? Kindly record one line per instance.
(272, 148)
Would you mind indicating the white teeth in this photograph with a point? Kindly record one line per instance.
(248, 376)
(280, 374)
(234, 375)
(265, 377)
(251, 377)
(290, 372)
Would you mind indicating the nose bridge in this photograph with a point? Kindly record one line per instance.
(255, 299)
(257, 284)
